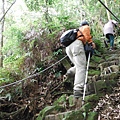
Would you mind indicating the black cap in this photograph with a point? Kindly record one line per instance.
(84, 23)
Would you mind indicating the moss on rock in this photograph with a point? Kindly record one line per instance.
(48, 110)
(92, 116)
(74, 115)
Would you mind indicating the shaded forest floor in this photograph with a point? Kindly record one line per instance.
(108, 106)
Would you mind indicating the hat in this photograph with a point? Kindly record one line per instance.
(84, 23)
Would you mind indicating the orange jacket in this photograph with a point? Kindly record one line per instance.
(85, 30)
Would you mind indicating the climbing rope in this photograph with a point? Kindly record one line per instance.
(34, 75)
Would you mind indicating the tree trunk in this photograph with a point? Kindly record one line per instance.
(2, 11)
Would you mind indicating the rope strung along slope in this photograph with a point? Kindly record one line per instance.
(34, 75)
(108, 9)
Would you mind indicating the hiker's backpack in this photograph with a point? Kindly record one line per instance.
(68, 37)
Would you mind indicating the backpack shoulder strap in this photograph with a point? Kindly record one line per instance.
(81, 34)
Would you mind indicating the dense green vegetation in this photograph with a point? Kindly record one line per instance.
(31, 38)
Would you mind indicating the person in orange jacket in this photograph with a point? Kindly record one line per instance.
(84, 33)
(76, 54)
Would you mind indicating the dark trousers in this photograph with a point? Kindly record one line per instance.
(110, 39)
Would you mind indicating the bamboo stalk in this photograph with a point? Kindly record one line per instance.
(108, 14)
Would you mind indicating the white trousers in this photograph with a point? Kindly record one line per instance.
(76, 54)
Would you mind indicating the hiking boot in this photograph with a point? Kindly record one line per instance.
(78, 93)
(111, 49)
(69, 77)
(77, 103)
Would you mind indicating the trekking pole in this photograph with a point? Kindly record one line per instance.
(86, 79)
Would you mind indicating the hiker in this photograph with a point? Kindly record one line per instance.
(108, 31)
(76, 54)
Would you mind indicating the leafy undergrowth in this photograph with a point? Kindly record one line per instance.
(24, 107)
(24, 101)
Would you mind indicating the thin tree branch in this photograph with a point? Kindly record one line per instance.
(7, 11)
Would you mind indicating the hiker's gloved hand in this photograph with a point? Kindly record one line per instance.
(119, 26)
(77, 30)
(93, 45)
